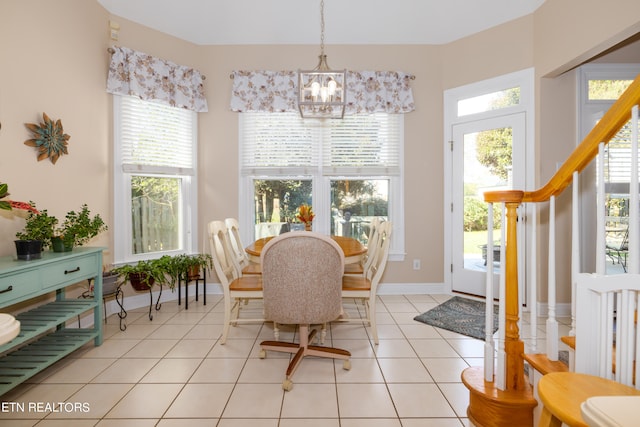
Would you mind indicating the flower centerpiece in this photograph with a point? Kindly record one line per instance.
(305, 215)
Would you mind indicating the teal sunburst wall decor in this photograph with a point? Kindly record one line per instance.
(49, 138)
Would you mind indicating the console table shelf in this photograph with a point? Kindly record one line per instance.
(43, 337)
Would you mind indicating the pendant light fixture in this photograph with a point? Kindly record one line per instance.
(322, 93)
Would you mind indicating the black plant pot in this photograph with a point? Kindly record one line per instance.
(28, 249)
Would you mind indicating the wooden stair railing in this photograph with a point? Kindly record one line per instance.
(490, 405)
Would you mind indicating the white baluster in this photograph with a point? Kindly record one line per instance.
(488, 340)
(601, 260)
(575, 247)
(634, 233)
(533, 285)
(552, 323)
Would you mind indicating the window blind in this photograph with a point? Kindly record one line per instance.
(285, 144)
(156, 138)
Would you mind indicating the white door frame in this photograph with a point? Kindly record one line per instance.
(525, 80)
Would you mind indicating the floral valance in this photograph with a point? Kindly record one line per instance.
(154, 79)
(367, 92)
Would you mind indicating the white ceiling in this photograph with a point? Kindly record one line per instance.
(215, 22)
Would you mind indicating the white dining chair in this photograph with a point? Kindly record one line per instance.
(235, 288)
(240, 258)
(365, 287)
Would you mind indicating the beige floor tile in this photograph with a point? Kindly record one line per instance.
(33, 395)
(468, 347)
(67, 423)
(255, 401)
(369, 422)
(446, 370)
(347, 330)
(235, 348)
(191, 348)
(187, 317)
(80, 371)
(129, 423)
(401, 307)
(146, 401)
(204, 331)
(365, 401)
(433, 348)
(111, 348)
(362, 371)
(419, 330)
(431, 422)
(394, 348)
(269, 370)
(135, 331)
(153, 349)
(458, 397)
(200, 401)
(218, 371)
(167, 332)
(248, 422)
(404, 371)
(420, 400)
(316, 422)
(99, 398)
(387, 332)
(190, 422)
(126, 371)
(172, 371)
(357, 348)
(310, 401)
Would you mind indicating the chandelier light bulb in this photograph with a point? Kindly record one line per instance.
(324, 93)
(332, 87)
(315, 89)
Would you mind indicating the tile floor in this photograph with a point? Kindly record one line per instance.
(173, 371)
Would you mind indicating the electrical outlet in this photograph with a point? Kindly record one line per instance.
(416, 264)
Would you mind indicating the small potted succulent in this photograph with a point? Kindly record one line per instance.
(77, 229)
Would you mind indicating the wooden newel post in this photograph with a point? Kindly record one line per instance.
(514, 347)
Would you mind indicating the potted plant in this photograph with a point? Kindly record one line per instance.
(77, 229)
(36, 234)
(142, 275)
(189, 266)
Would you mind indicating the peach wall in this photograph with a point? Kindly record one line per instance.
(59, 63)
(54, 60)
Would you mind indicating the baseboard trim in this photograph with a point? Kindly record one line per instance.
(141, 299)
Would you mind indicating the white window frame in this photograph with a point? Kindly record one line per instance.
(321, 184)
(123, 252)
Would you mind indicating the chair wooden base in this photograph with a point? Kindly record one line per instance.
(302, 349)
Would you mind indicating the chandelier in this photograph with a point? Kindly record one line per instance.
(322, 92)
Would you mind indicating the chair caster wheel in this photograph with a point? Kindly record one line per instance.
(346, 365)
(262, 354)
(287, 385)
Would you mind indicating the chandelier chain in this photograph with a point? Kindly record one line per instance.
(322, 27)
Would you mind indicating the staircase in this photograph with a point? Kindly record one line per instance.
(500, 392)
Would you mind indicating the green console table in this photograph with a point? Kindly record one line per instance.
(43, 338)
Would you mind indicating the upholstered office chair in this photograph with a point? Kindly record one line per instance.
(302, 280)
(235, 288)
(365, 287)
(240, 258)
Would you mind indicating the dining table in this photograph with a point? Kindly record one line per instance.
(353, 249)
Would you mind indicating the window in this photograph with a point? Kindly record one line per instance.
(155, 186)
(349, 170)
